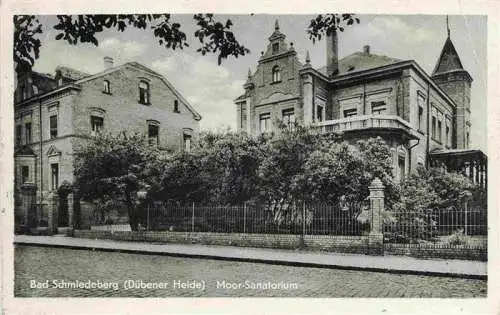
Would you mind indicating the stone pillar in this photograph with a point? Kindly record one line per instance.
(376, 237)
(71, 204)
(53, 212)
(308, 100)
(28, 207)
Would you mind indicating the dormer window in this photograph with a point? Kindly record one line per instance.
(60, 82)
(276, 74)
(176, 106)
(276, 48)
(107, 87)
(143, 92)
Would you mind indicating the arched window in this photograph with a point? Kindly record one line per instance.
(144, 92)
(176, 106)
(107, 87)
(276, 74)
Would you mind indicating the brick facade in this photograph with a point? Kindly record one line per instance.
(421, 113)
(80, 97)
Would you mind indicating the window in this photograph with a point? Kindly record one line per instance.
(187, 143)
(378, 108)
(420, 118)
(467, 140)
(265, 122)
(107, 88)
(25, 174)
(53, 126)
(153, 134)
(19, 130)
(276, 48)
(289, 118)
(97, 124)
(439, 131)
(433, 131)
(320, 113)
(401, 167)
(60, 82)
(54, 175)
(448, 136)
(276, 74)
(35, 89)
(27, 132)
(176, 106)
(144, 92)
(350, 112)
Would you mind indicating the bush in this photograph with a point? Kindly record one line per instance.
(458, 238)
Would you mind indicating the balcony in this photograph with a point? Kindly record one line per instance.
(371, 124)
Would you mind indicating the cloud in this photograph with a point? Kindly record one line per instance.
(82, 57)
(396, 26)
(122, 49)
(209, 88)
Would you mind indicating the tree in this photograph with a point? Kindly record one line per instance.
(114, 170)
(214, 36)
(221, 169)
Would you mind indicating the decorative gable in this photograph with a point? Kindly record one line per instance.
(53, 151)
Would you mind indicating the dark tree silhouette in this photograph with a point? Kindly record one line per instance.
(214, 36)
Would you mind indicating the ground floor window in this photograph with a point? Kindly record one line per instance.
(289, 118)
(265, 122)
(153, 134)
(25, 174)
(187, 143)
(54, 171)
(401, 167)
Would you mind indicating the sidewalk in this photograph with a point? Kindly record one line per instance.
(391, 264)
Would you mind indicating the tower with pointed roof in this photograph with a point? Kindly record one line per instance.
(450, 75)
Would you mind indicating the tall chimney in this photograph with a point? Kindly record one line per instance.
(108, 62)
(332, 55)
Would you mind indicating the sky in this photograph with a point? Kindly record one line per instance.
(211, 89)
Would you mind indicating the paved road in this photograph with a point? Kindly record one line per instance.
(166, 277)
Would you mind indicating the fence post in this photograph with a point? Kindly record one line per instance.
(244, 217)
(465, 213)
(147, 218)
(71, 212)
(376, 237)
(53, 213)
(192, 220)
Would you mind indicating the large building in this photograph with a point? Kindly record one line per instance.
(55, 115)
(425, 119)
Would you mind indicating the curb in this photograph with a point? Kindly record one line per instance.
(263, 261)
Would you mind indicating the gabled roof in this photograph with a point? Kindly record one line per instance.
(361, 61)
(448, 60)
(140, 66)
(71, 73)
(25, 150)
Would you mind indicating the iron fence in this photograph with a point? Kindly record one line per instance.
(464, 228)
(299, 219)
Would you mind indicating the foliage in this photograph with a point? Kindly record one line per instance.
(458, 238)
(424, 195)
(214, 36)
(115, 168)
(220, 169)
(326, 24)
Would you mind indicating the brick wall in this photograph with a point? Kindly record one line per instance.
(349, 244)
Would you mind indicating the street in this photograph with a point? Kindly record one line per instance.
(57, 272)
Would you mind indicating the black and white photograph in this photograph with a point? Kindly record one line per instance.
(250, 155)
